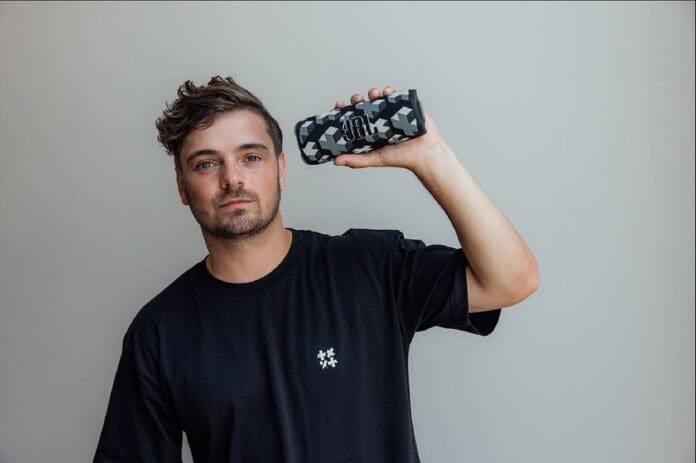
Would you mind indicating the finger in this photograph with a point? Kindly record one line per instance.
(388, 89)
(356, 98)
(339, 104)
(357, 161)
(346, 160)
(374, 93)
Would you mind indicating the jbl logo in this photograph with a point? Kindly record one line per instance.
(356, 128)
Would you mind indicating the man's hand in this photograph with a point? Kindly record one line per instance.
(408, 154)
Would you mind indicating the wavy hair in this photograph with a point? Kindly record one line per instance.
(197, 107)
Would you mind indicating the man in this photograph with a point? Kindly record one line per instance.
(292, 345)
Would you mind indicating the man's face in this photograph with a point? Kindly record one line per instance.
(238, 163)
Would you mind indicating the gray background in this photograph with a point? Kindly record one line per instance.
(577, 119)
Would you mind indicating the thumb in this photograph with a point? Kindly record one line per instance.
(356, 161)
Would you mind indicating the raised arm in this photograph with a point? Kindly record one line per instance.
(502, 270)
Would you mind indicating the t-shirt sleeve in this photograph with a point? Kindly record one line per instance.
(429, 287)
(139, 424)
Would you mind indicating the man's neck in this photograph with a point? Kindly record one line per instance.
(252, 259)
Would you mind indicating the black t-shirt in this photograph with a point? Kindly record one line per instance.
(307, 364)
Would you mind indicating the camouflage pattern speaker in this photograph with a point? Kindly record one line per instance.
(360, 128)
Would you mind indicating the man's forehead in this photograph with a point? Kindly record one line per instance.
(230, 129)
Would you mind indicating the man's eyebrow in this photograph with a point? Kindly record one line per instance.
(242, 147)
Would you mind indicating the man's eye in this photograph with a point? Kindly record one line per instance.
(253, 156)
(198, 167)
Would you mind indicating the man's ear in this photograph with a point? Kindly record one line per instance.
(282, 169)
(180, 186)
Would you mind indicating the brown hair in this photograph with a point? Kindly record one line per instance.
(197, 108)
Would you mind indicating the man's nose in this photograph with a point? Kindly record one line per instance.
(231, 175)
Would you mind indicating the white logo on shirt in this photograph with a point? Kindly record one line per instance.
(327, 358)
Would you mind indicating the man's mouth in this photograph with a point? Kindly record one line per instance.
(235, 202)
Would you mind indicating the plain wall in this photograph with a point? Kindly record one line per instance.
(577, 119)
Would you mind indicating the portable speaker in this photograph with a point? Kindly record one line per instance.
(360, 128)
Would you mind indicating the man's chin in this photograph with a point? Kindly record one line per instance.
(227, 231)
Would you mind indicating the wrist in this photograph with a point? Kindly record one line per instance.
(436, 157)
